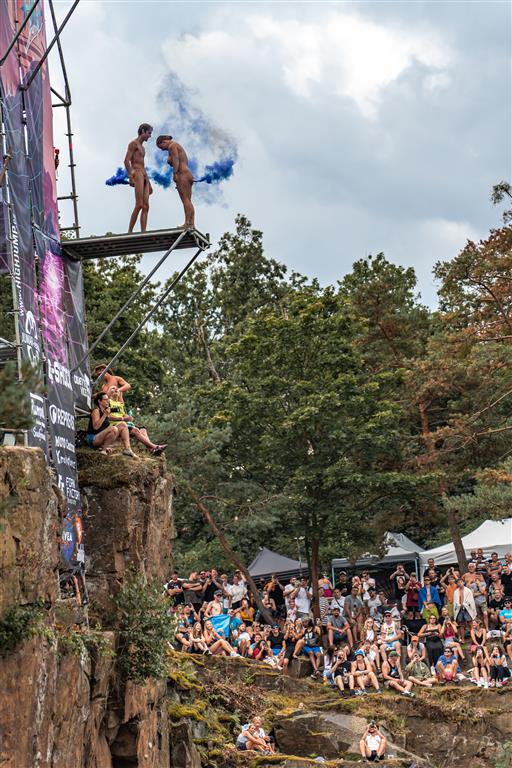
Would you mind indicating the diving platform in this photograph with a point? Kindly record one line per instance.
(84, 248)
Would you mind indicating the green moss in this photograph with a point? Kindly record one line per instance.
(180, 711)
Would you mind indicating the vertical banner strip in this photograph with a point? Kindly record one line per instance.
(52, 275)
(20, 243)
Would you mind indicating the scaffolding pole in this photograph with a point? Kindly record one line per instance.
(150, 314)
(56, 37)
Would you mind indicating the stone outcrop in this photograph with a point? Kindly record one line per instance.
(30, 509)
(65, 709)
(128, 523)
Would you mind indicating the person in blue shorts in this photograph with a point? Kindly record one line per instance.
(311, 646)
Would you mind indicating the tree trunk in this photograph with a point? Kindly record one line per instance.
(315, 545)
(450, 515)
(207, 515)
(451, 518)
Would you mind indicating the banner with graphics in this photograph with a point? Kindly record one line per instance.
(21, 255)
(33, 192)
(77, 335)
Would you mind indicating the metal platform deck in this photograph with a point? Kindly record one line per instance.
(137, 242)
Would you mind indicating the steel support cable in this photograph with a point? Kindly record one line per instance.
(150, 313)
(130, 300)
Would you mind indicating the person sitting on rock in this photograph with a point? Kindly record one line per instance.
(373, 743)
(341, 669)
(447, 667)
(248, 739)
(118, 415)
(311, 645)
(338, 628)
(390, 635)
(418, 673)
(242, 640)
(393, 677)
(197, 639)
(480, 669)
(215, 607)
(101, 434)
(216, 643)
(182, 641)
(362, 675)
(499, 671)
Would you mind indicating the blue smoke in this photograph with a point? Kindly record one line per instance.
(201, 139)
(119, 177)
(218, 171)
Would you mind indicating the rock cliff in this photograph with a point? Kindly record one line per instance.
(62, 706)
(66, 704)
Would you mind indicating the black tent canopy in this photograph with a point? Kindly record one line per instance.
(267, 562)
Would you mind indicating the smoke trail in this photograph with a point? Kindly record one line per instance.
(201, 139)
(119, 177)
(218, 171)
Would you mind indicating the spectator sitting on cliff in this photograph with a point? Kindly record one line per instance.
(110, 379)
(505, 617)
(373, 743)
(499, 671)
(390, 635)
(118, 415)
(215, 607)
(418, 673)
(362, 674)
(101, 434)
(338, 628)
(447, 667)
(393, 677)
(248, 739)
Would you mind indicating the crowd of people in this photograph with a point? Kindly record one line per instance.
(361, 639)
(111, 422)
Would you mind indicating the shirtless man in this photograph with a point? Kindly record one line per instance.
(110, 380)
(182, 176)
(134, 164)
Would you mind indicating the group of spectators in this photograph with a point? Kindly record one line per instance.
(110, 421)
(361, 638)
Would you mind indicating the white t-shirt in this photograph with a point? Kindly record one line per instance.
(338, 602)
(303, 600)
(373, 741)
(236, 591)
(289, 588)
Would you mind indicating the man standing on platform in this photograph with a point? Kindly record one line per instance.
(182, 176)
(138, 177)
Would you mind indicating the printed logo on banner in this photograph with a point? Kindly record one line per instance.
(38, 431)
(82, 384)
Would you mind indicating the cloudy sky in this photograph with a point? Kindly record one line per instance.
(359, 126)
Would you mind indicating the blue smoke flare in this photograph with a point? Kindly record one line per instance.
(218, 171)
(119, 177)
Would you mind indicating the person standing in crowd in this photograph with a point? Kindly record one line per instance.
(464, 608)
(353, 610)
(399, 579)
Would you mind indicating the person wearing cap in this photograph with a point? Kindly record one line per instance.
(390, 635)
(447, 667)
(362, 675)
(416, 647)
(393, 677)
(110, 379)
(373, 744)
(278, 646)
(215, 607)
(373, 603)
(417, 672)
(505, 617)
(338, 628)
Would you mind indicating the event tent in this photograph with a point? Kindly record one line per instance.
(491, 536)
(400, 549)
(267, 562)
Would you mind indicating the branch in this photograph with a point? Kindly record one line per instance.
(229, 552)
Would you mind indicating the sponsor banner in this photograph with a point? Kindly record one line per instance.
(4, 231)
(77, 335)
(52, 277)
(21, 252)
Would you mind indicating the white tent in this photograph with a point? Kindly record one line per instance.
(491, 536)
